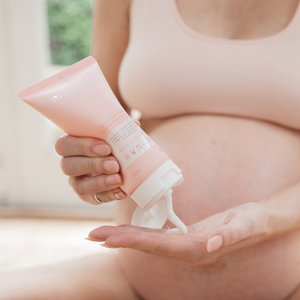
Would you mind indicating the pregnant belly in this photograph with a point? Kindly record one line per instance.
(225, 162)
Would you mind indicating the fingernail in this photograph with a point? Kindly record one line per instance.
(92, 239)
(111, 166)
(120, 195)
(214, 243)
(113, 179)
(102, 150)
(137, 122)
(107, 246)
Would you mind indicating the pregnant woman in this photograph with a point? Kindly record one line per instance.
(218, 86)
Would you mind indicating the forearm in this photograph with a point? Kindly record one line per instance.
(110, 39)
(283, 211)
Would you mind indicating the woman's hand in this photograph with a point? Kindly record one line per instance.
(205, 242)
(91, 168)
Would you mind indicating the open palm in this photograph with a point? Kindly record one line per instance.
(205, 242)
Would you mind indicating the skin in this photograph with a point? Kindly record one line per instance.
(241, 183)
(218, 197)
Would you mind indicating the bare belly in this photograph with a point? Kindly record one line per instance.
(225, 162)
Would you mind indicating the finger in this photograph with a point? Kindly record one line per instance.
(158, 244)
(81, 165)
(102, 233)
(245, 225)
(71, 146)
(137, 122)
(230, 234)
(187, 248)
(86, 186)
(104, 197)
(153, 241)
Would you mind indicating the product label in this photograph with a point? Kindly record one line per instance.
(128, 142)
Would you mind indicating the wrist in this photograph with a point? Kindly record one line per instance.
(273, 220)
(283, 211)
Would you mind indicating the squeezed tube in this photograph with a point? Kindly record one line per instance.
(80, 102)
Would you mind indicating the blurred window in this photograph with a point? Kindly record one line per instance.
(70, 29)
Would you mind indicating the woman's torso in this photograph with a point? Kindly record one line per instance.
(226, 161)
(170, 69)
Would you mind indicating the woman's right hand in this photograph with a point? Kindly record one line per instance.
(91, 168)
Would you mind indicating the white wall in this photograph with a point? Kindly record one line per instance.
(30, 176)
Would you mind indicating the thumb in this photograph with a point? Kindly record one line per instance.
(228, 234)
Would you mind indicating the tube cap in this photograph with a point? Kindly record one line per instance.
(151, 211)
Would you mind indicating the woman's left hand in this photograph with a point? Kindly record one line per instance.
(205, 242)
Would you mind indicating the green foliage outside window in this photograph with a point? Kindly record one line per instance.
(70, 27)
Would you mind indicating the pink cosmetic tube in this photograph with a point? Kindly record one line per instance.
(80, 102)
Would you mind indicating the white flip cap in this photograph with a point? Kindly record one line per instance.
(154, 198)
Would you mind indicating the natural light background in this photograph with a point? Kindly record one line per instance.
(41, 219)
(70, 31)
(38, 38)
(33, 242)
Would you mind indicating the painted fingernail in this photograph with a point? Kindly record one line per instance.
(102, 150)
(113, 179)
(214, 243)
(107, 246)
(111, 166)
(120, 195)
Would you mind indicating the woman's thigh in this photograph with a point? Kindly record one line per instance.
(90, 278)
